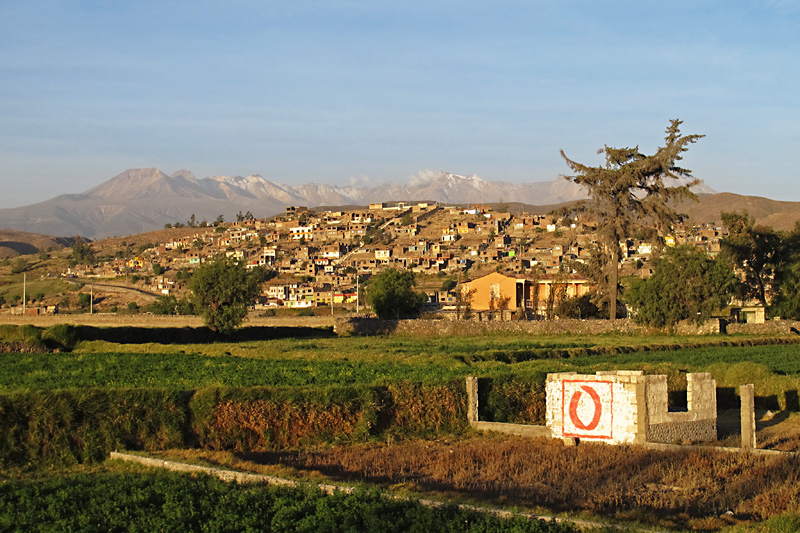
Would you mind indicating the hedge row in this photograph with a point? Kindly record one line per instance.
(82, 425)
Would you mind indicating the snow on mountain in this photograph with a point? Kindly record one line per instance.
(139, 200)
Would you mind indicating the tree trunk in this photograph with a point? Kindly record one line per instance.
(613, 281)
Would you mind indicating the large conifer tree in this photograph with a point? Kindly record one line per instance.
(632, 191)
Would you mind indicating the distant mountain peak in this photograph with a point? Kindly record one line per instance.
(145, 199)
(185, 174)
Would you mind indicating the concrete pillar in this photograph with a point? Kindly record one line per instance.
(747, 396)
(472, 399)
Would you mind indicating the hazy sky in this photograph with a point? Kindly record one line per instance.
(350, 91)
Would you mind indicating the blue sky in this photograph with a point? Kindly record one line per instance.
(351, 91)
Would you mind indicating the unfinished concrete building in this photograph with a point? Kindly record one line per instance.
(617, 407)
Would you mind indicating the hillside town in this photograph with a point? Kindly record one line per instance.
(516, 266)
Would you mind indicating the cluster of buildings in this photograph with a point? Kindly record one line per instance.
(513, 263)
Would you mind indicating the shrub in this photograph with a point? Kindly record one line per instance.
(164, 305)
(265, 417)
(84, 299)
(19, 266)
(391, 295)
(74, 426)
(61, 336)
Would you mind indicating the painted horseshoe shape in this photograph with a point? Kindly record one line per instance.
(573, 409)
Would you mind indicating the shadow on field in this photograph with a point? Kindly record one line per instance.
(202, 335)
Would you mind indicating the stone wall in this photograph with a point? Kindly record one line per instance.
(697, 423)
(607, 407)
(447, 327)
(770, 327)
(480, 324)
(628, 407)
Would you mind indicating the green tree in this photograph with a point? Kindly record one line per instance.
(391, 294)
(786, 283)
(448, 285)
(158, 269)
(185, 306)
(84, 299)
(757, 251)
(222, 291)
(578, 307)
(630, 192)
(686, 284)
(19, 266)
(164, 305)
(82, 252)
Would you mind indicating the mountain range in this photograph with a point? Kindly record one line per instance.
(141, 200)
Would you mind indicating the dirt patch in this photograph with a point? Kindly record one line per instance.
(697, 489)
(775, 430)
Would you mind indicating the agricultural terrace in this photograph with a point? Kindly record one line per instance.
(390, 411)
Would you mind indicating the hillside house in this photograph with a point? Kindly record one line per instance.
(301, 232)
(333, 251)
(522, 292)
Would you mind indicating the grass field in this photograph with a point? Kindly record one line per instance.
(328, 361)
(309, 403)
(120, 498)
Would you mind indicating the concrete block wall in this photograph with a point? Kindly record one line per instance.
(523, 430)
(616, 407)
(605, 407)
(632, 407)
(697, 424)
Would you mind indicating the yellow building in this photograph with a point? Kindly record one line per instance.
(520, 291)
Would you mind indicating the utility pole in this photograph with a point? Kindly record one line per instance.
(91, 299)
(357, 293)
(24, 293)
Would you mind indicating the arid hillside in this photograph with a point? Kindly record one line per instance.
(774, 213)
(14, 243)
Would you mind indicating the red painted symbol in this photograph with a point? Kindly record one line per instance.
(573, 409)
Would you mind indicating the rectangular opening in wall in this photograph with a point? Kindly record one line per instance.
(676, 392)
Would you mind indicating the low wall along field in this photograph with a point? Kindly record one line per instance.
(447, 327)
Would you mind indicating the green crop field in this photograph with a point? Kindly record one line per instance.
(109, 500)
(333, 361)
(71, 394)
